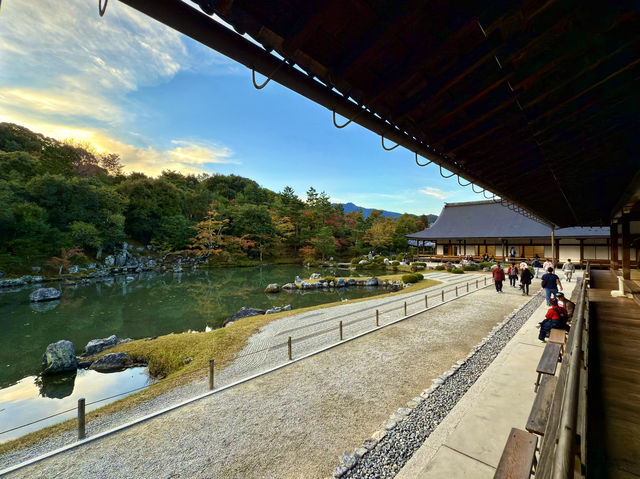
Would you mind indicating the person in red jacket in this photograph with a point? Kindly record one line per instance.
(498, 277)
(556, 317)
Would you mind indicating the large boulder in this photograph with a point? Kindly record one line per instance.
(315, 276)
(289, 286)
(351, 282)
(97, 345)
(340, 283)
(109, 261)
(371, 282)
(245, 312)
(111, 362)
(272, 288)
(44, 294)
(59, 357)
(73, 269)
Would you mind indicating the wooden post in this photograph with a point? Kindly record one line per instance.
(426, 302)
(456, 291)
(485, 280)
(289, 348)
(340, 330)
(476, 284)
(614, 247)
(81, 418)
(210, 374)
(377, 318)
(626, 249)
(405, 308)
(553, 246)
(467, 287)
(581, 251)
(443, 295)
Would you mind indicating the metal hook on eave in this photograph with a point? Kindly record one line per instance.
(443, 175)
(421, 164)
(464, 186)
(101, 9)
(253, 76)
(384, 147)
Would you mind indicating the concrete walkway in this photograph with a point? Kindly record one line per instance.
(469, 442)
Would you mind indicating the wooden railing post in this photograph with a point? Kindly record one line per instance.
(81, 418)
(211, 364)
(405, 308)
(340, 330)
(289, 348)
(443, 295)
(426, 302)
(377, 318)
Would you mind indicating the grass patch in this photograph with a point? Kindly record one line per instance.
(169, 356)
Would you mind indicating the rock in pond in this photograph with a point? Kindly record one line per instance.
(245, 312)
(44, 294)
(73, 269)
(289, 286)
(272, 288)
(59, 357)
(111, 362)
(340, 283)
(97, 345)
(371, 282)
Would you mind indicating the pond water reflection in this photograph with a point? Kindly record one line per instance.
(31, 398)
(143, 305)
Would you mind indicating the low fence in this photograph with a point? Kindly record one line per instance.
(444, 296)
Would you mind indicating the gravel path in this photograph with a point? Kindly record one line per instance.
(296, 421)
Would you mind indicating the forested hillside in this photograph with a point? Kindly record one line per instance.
(58, 197)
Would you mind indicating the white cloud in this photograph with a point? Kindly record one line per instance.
(436, 192)
(198, 154)
(62, 58)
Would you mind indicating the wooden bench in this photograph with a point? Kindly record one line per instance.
(541, 406)
(518, 457)
(558, 336)
(548, 362)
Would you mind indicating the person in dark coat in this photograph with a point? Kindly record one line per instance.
(498, 277)
(525, 280)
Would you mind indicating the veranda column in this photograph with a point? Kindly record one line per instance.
(581, 251)
(614, 247)
(626, 249)
(553, 246)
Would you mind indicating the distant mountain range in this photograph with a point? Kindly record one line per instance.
(349, 207)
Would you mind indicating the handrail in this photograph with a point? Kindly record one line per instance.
(564, 461)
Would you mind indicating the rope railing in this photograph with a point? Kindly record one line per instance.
(340, 327)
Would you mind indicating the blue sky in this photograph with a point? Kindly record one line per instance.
(129, 85)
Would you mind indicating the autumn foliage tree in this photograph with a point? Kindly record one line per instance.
(209, 239)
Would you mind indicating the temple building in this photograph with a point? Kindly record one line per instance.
(480, 227)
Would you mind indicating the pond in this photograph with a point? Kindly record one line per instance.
(144, 305)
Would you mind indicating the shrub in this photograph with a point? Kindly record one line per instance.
(356, 260)
(456, 271)
(439, 267)
(411, 278)
(419, 264)
(395, 263)
(485, 265)
(413, 268)
(399, 257)
(470, 268)
(328, 279)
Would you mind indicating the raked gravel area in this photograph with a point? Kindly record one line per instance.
(295, 421)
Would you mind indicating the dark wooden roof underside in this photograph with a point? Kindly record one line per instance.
(536, 98)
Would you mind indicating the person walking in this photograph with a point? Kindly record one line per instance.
(546, 265)
(498, 277)
(525, 281)
(536, 266)
(551, 284)
(568, 268)
(513, 275)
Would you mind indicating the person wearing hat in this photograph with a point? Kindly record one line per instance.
(567, 304)
(556, 318)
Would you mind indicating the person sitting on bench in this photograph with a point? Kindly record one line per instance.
(567, 304)
(556, 317)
